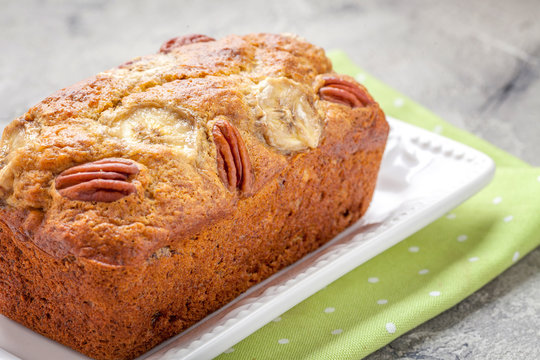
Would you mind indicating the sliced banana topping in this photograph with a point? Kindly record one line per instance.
(158, 126)
(14, 138)
(290, 121)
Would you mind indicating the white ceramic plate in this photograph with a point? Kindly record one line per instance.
(422, 176)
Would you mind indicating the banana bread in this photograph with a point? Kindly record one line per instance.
(138, 201)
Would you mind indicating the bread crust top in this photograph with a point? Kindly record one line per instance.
(161, 111)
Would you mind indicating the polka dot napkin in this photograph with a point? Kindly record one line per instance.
(423, 275)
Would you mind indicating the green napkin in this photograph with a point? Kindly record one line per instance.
(423, 275)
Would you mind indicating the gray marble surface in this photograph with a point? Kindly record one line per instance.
(475, 63)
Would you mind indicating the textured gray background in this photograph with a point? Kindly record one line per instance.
(475, 63)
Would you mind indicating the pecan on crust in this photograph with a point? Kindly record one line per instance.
(105, 180)
(179, 41)
(233, 162)
(345, 92)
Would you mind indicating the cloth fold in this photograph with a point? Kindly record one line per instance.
(421, 276)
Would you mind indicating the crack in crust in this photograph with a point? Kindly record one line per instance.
(179, 41)
(233, 162)
(338, 90)
(104, 180)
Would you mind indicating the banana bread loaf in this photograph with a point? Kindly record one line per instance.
(138, 201)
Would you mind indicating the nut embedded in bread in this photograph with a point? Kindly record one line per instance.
(154, 193)
(344, 92)
(233, 163)
(104, 180)
(183, 40)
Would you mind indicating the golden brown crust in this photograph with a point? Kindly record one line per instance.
(225, 135)
(196, 83)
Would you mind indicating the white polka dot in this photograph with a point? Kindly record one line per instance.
(337, 331)
(451, 216)
(398, 102)
(497, 200)
(283, 341)
(508, 218)
(391, 327)
(435, 293)
(538, 178)
(329, 310)
(462, 238)
(360, 77)
(382, 301)
(373, 280)
(228, 351)
(474, 258)
(278, 319)
(423, 271)
(516, 256)
(414, 249)
(438, 129)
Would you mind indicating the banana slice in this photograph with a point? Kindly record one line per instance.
(14, 139)
(158, 126)
(290, 122)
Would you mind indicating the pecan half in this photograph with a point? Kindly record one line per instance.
(344, 92)
(183, 40)
(233, 163)
(104, 180)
